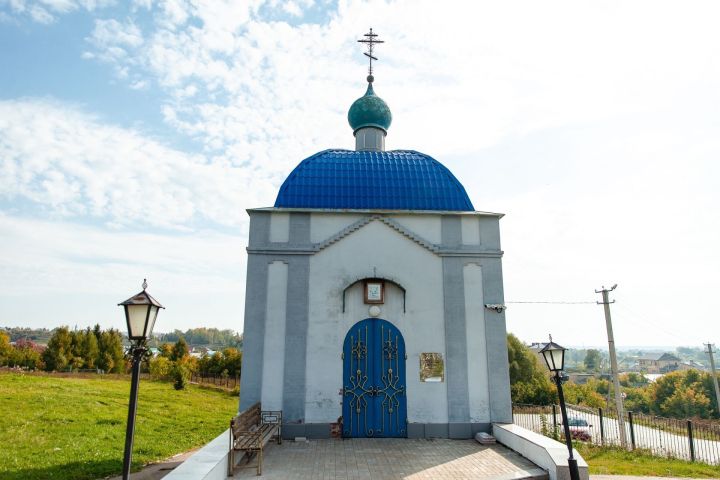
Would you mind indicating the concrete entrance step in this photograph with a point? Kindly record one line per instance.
(391, 459)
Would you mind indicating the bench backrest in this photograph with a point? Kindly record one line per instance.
(246, 420)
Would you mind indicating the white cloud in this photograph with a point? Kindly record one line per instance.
(111, 32)
(44, 11)
(73, 165)
(139, 85)
(292, 8)
(60, 6)
(41, 15)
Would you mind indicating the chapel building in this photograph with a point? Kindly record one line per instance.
(374, 296)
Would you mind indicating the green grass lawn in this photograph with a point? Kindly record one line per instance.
(616, 461)
(74, 428)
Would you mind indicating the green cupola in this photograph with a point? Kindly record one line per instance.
(369, 111)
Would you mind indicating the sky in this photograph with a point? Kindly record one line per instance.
(135, 134)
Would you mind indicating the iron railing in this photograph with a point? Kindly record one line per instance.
(693, 440)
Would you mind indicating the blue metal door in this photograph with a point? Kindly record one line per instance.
(374, 395)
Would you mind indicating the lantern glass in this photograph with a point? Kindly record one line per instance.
(151, 320)
(137, 316)
(554, 356)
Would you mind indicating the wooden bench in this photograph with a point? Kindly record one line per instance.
(250, 431)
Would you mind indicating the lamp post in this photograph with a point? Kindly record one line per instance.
(554, 356)
(140, 313)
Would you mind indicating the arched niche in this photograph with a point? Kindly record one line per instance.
(370, 279)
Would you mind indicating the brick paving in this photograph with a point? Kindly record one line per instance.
(386, 459)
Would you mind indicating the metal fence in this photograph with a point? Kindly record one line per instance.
(225, 381)
(693, 440)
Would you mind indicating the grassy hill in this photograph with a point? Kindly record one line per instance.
(74, 428)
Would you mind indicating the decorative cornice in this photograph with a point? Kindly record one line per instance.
(311, 249)
(471, 253)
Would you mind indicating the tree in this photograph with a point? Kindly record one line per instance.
(637, 400)
(592, 360)
(633, 379)
(166, 350)
(5, 348)
(58, 353)
(180, 350)
(529, 382)
(111, 356)
(91, 351)
(77, 359)
(583, 395)
(686, 402)
(180, 375)
(232, 361)
(26, 354)
(160, 368)
(682, 394)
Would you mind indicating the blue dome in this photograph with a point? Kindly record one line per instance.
(369, 111)
(372, 180)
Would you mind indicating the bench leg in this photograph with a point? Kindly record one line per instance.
(231, 462)
(260, 459)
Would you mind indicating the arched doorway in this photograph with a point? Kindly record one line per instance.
(374, 393)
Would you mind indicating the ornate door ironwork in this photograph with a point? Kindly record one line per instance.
(374, 394)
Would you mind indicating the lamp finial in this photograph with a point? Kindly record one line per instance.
(144, 284)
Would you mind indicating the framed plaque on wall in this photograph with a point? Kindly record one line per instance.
(374, 291)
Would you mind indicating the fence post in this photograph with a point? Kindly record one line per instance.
(602, 427)
(690, 439)
(632, 430)
(554, 410)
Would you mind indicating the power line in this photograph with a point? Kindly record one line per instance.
(551, 302)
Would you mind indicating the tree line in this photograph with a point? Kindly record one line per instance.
(67, 349)
(680, 394)
(103, 351)
(204, 336)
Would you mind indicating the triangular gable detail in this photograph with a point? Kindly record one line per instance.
(387, 221)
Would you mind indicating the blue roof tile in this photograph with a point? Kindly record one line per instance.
(394, 180)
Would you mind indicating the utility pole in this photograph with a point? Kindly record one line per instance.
(613, 363)
(712, 369)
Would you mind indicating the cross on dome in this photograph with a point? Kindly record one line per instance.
(370, 40)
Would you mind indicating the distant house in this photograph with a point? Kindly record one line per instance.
(199, 352)
(581, 378)
(659, 363)
(691, 365)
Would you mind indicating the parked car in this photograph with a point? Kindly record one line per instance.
(579, 429)
(577, 424)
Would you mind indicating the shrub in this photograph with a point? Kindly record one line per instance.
(181, 376)
(161, 368)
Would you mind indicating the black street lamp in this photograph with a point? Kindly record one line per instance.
(554, 356)
(140, 313)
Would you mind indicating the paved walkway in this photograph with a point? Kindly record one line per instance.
(385, 459)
